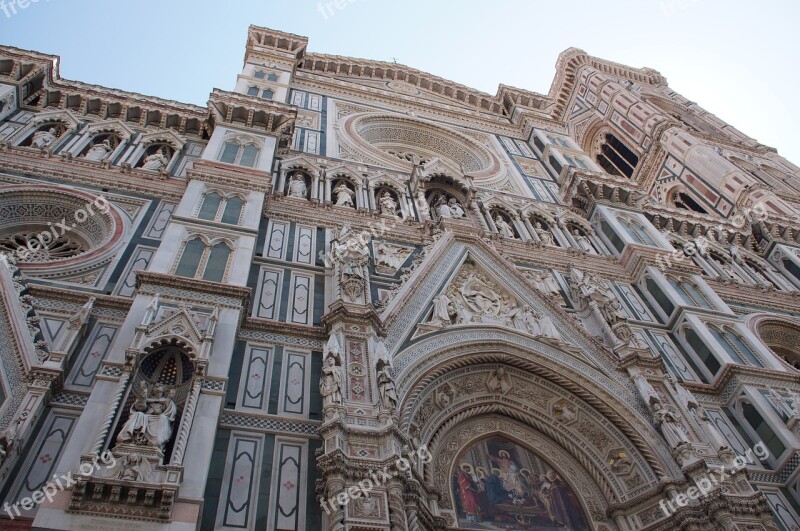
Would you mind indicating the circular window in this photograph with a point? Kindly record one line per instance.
(783, 338)
(49, 226)
(399, 141)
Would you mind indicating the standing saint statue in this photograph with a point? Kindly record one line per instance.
(669, 424)
(297, 186)
(330, 385)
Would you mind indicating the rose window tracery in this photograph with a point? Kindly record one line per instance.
(40, 250)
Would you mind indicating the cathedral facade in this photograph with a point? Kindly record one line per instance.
(351, 295)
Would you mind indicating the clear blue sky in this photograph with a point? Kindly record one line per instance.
(735, 58)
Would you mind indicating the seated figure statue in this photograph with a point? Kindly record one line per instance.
(150, 420)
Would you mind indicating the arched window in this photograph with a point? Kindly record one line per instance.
(233, 211)
(735, 346)
(200, 260)
(612, 235)
(637, 231)
(267, 94)
(234, 152)
(272, 77)
(210, 206)
(215, 207)
(252, 91)
(190, 259)
(702, 352)
(217, 262)
(690, 293)
(763, 430)
(659, 296)
(259, 75)
(687, 202)
(616, 158)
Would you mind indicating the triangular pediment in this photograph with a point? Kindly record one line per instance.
(463, 284)
(178, 324)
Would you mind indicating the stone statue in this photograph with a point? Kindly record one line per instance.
(351, 254)
(386, 387)
(546, 327)
(544, 235)
(297, 186)
(344, 195)
(442, 209)
(157, 161)
(543, 281)
(388, 205)
(151, 418)
(794, 402)
(503, 227)
(479, 297)
(441, 310)
(330, 385)
(714, 437)
(669, 424)
(499, 381)
(455, 208)
(519, 318)
(583, 242)
(99, 151)
(43, 139)
(132, 467)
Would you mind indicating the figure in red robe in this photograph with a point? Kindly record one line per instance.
(468, 491)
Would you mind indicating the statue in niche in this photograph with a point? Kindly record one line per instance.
(455, 208)
(386, 387)
(330, 385)
(499, 382)
(503, 227)
(44, 138)
(669, 424)
(352, 254)
(151, 418)
(344, 195)
(99, 151)
(156, 161)
(583, 242)
(441, 209)
(794, 403)
(297, 186)
(388, 206)
(544, 235)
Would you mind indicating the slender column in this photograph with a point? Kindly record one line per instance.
(186, 422)
(100, 440)
(527, 222)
